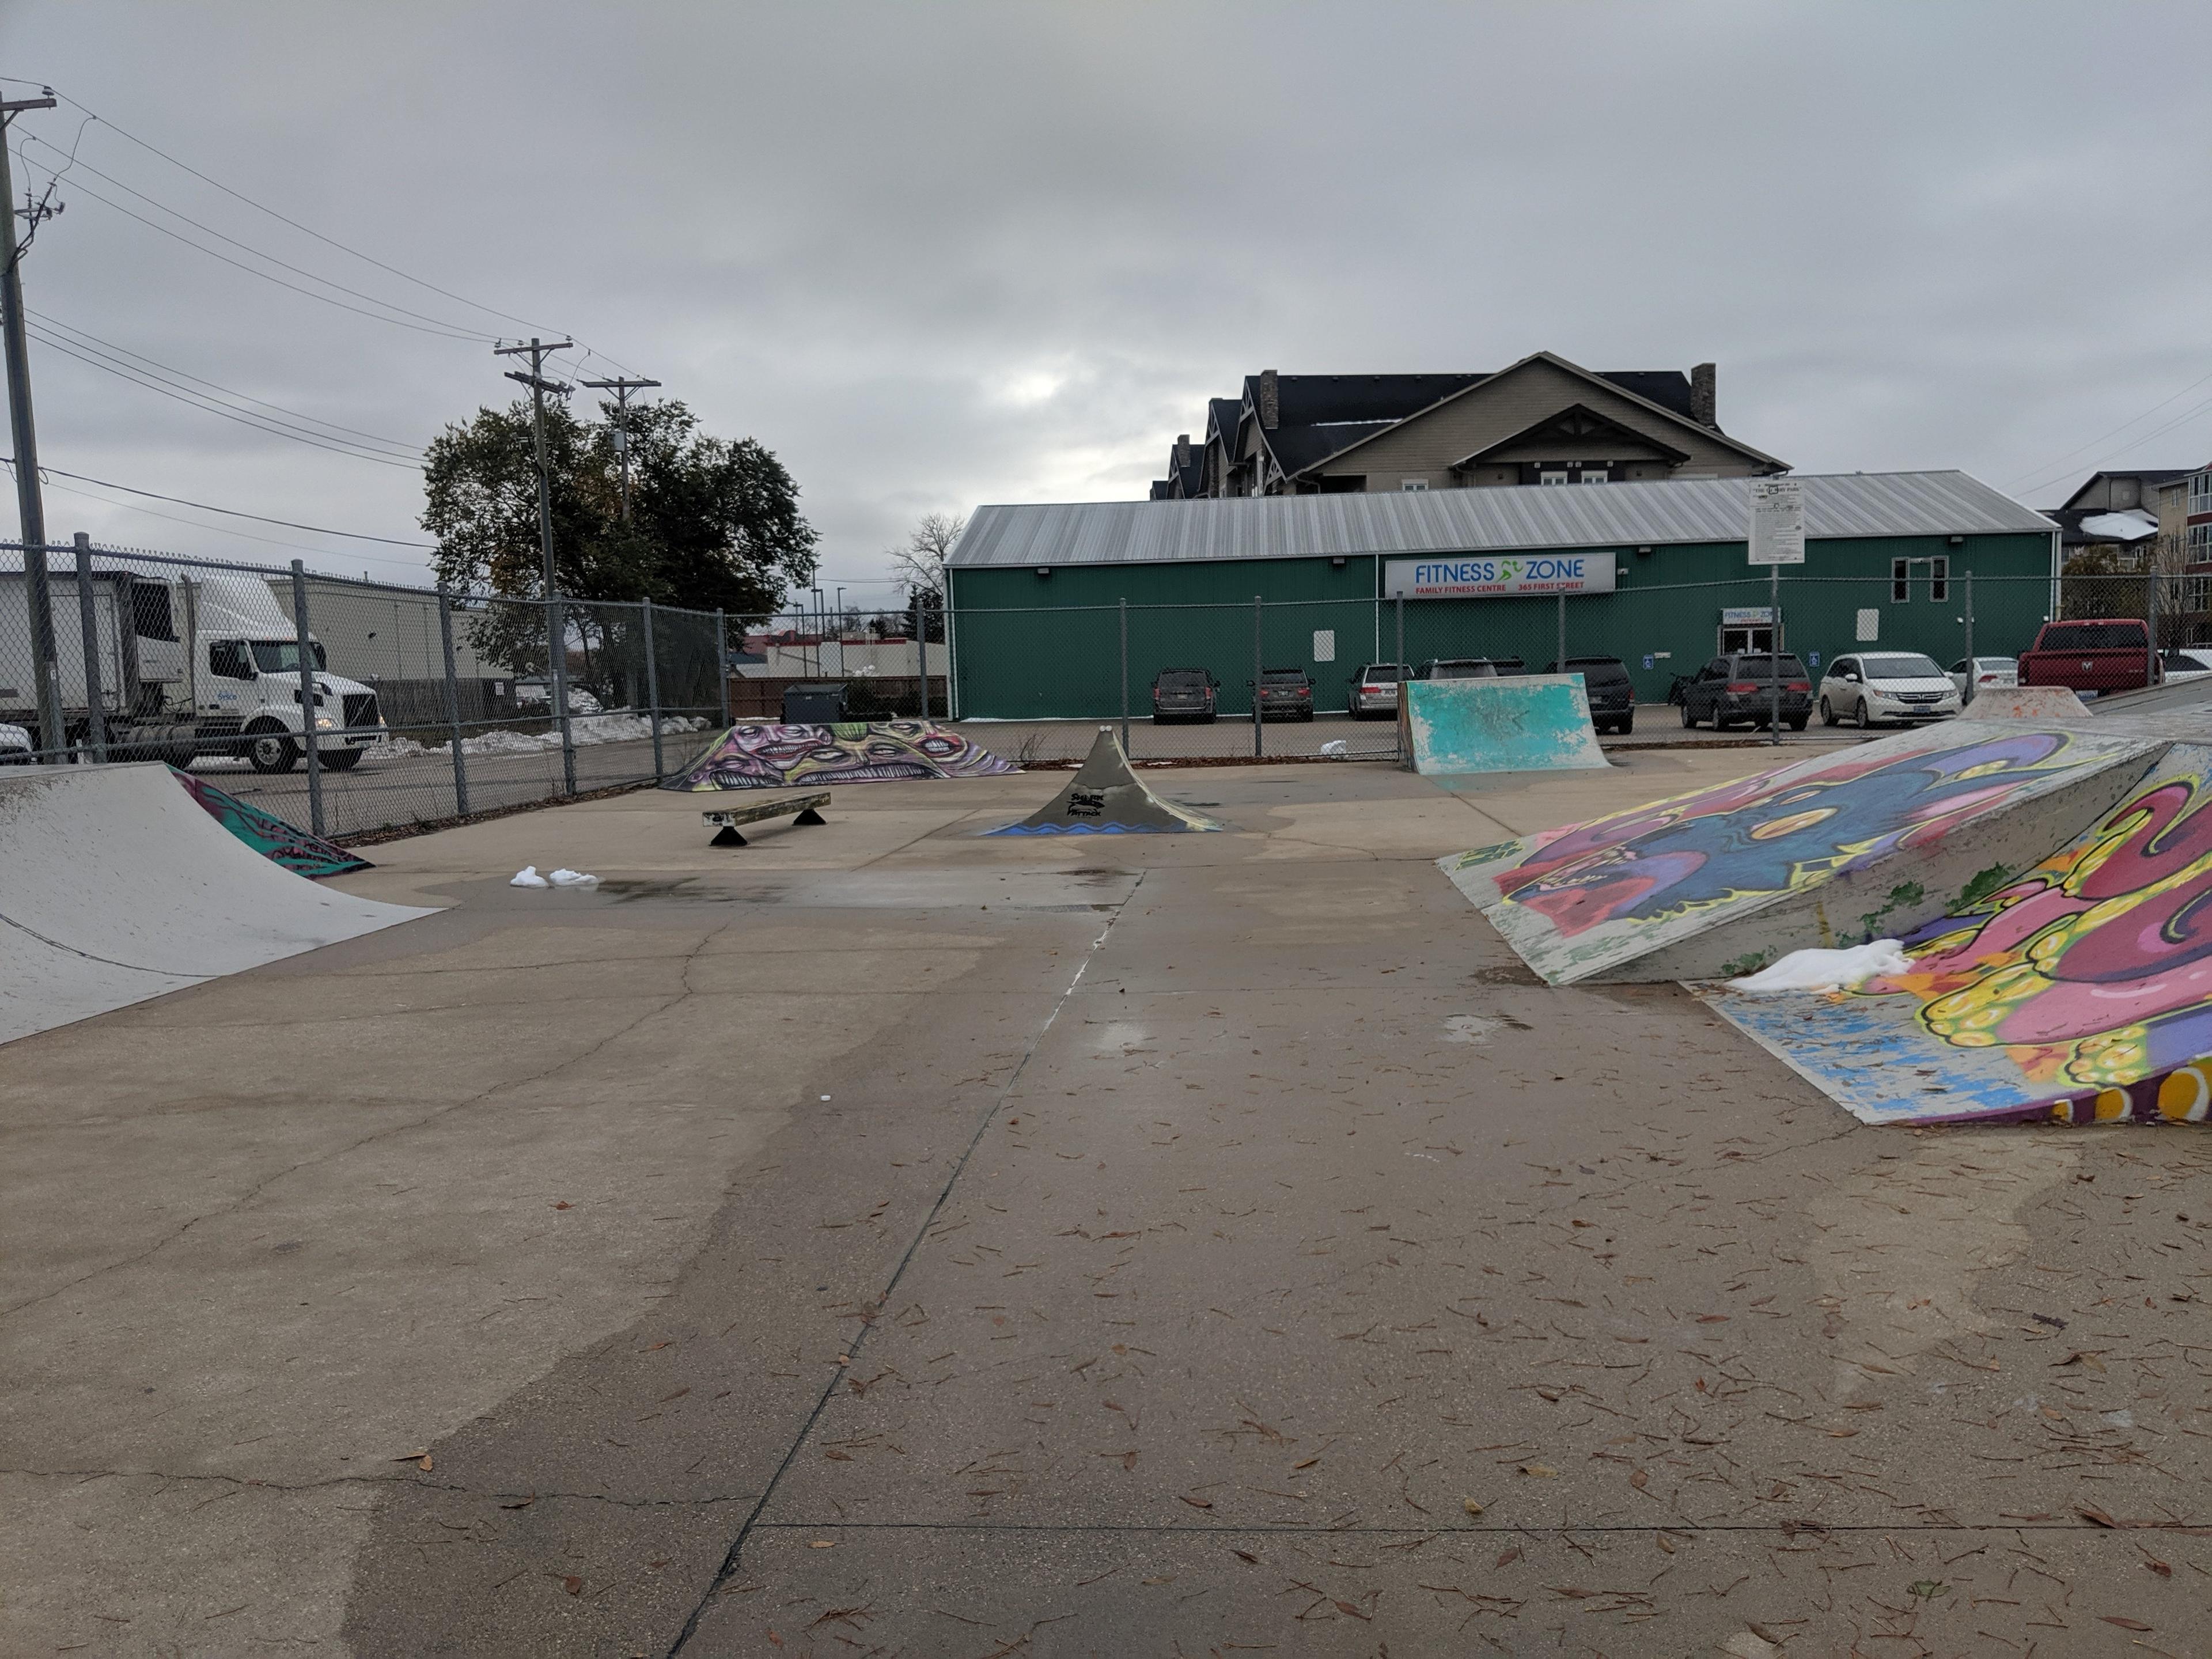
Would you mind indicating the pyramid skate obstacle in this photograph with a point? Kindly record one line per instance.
(1105, 798)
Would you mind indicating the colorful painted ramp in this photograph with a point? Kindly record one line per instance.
(302, 854)
(119, 887)
(767, 756)
(1834, 849)
(2079, 990)
(1521, 723)
(1105, 798)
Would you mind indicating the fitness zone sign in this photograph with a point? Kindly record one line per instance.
(1489, 575)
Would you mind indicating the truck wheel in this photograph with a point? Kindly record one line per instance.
(271, 750)
(340, 760)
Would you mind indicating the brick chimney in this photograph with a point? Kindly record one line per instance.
(1182, 450)
(1705, 396)
(1271, 403)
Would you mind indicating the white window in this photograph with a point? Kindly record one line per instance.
(1551, 476)
(2200, 544)
(2200, 491)
(1413, 483)
(1324, 644)
(1600, 476)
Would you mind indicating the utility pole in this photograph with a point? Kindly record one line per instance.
(30, 507)
(556, 629)
(621, 389)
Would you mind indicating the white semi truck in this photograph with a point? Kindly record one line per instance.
(189, 665)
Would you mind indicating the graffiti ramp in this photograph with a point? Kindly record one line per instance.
(1105, 798)
(1834, 849)
(2078, 988)
(120, 887)
(1521, 723)
(766, 755)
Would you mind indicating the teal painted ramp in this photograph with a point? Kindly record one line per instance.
(1526, 723)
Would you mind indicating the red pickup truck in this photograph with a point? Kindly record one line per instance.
(2105, 654)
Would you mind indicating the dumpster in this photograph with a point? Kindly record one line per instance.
(821, 703)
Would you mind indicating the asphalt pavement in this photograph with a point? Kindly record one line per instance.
(879, 1239)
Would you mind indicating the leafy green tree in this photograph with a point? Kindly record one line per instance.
(713, 526)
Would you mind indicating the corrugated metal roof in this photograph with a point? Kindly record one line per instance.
(1836, 505)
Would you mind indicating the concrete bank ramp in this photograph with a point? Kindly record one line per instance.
(1867, 843)
(2027, 702)
(115, 886)
(1105, 798)
(1521, 723)
(766, 755)
(2079, 989)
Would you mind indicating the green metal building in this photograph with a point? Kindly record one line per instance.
(1052, 610)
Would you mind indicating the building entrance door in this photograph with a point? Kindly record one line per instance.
(1754, 636)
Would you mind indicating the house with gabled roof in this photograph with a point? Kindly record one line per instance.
(1541, 421)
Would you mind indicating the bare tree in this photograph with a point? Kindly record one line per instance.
(920, 562)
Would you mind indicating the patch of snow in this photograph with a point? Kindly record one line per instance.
(1333, 748)
(588, 729)
(1829, 970)
(2119, 526)
(574, 878)
(528, 877)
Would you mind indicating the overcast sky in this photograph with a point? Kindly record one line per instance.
(943, 253)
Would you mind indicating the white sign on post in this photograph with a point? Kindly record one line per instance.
(1778, 521)
(1324, 644)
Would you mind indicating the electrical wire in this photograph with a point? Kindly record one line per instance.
(197, 400)
(306, 230)
(229, 512)
(2040, 476)
(94, 342)
(282, 264)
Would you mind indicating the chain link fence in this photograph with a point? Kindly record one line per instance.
(347, 705)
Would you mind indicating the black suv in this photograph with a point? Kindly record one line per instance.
(1741, 688)
(1612, 694)
(1469, 668)
(1184, 694)
(1285, 693)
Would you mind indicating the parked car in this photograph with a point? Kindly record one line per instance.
(1184, 695)
(1373, 689)
(1986, 671)
(1283, 694)
(1740, 687)
(15, 747)
(1887, 685)
(1612, 694)
(2190, 663)
(1469, 668)
(2105, 655)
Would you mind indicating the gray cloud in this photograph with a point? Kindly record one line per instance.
(940, 254)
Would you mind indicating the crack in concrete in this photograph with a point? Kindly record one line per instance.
(454, 1488)
(260, 1187)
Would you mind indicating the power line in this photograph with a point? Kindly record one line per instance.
(199, 400)
(2039, 476)
(297, 270)
(306, 230)
(153, 366)
(228, 512)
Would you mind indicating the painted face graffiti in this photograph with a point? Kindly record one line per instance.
(1769, 833)
(767, 756)
(2095, 966)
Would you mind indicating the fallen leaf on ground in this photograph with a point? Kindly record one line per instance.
(1472, 1507)
(1508, 1557)
(573, 1584)
(1638, 1479)
(1542, 1469)
(1199, 1503)
(822, 1544)
(2089, 1512)
(2126, 1624)
(564, 1205)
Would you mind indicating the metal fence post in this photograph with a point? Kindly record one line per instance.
(1259, 727)
(1125, 676)
(722, 663)
(452, 702)
(2151, 609)
(1561, 658)
(47, 686)
(652, 686)
(1973, 675)
(1405, 674)
(307, 697)
(95, 731)
(921, 653)
(1401, 658)
(557, 668)
(1773, 654)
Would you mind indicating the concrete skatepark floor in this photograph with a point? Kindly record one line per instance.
(883, 1239)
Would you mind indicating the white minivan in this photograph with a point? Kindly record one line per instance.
(1886, 686)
